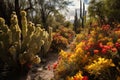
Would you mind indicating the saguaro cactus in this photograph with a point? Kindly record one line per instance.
(82, 12)
(76, 22)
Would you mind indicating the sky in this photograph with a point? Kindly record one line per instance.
(75, 5)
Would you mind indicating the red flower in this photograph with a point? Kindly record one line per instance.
(75, 78)
(55, 65)
(49, 67)
(86, 48)
(85, 78)
(96, 51)
(104, 51)
(114, 50)
(107, 47)
(117, 44)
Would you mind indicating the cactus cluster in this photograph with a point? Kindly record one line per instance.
(22, 45)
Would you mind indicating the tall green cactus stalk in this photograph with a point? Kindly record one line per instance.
(5, 40)
(21, 54)
(82, 13)
(76, 25)
(48, 40)
(24, 23)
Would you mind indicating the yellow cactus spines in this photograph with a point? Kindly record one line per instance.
(47, 39)
(16, 32)
(23, 13)
(36, 59)
(24, 23)
(3, 27)
(2, 21)
(5, 33)
(31, 29)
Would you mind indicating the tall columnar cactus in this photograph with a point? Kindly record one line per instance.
(22, 53)
(76, 22)
(24, 23)
(48, 40)
(82, 13)
(15, 30)
(5, 40)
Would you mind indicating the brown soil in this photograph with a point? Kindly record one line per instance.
(41, 72)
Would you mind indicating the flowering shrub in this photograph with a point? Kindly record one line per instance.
(95, 55)
(67, 33)
(59, 42)
(62, 38)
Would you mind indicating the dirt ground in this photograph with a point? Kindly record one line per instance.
(41, 72)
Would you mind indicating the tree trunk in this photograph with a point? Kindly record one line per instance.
(44, 20)
(17, 10)
(5, 11)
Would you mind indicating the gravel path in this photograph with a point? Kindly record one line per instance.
(41, 72)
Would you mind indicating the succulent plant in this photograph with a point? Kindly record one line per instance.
(22, 51)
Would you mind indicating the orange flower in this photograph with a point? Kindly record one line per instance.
(114, 50)
(96, 51)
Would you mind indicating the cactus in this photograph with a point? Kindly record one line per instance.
(24, 23)
(76, 22)
(48, 40)
(5, 40)
(20, 53)
(15, 30)
(82, 13)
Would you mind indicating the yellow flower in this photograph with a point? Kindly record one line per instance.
(77, 76)
(80, 45)
(100, 36)
(118, 40)
(79, 50)
(98, 65)
(110, 44)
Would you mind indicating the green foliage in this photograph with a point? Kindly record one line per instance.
(57, 20)
(104, 10)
